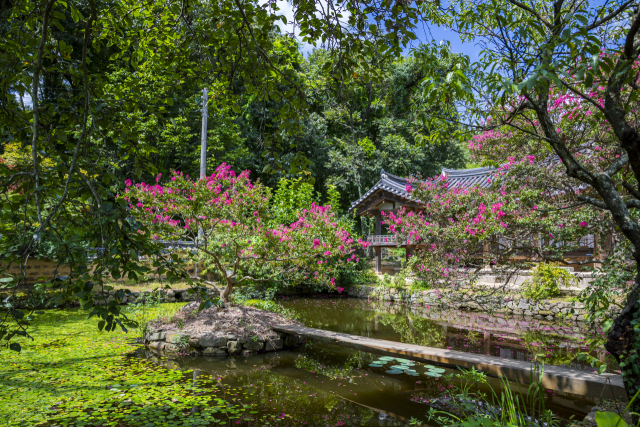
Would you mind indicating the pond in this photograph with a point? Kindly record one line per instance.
(321, 384)
(73, 375)
(512, 337)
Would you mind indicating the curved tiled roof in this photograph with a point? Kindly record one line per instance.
(397, 185)
(463, 178)
(391, 183)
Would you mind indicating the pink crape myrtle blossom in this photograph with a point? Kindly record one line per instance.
(237, 237)
(526, 211)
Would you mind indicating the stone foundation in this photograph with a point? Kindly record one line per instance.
(548, 310)
(219, 344)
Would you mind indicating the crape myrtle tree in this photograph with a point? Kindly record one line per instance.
(540, 61)
(228, 220)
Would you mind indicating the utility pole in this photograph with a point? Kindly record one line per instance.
(203, 137)
(203, 152)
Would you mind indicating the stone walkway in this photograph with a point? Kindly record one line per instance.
(559, 378)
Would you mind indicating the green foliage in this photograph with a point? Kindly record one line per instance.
(546, 282)
(356, 273)
(367, 146)
(333, 197)
(269, 305)
(609, 419)
(397, 281)
(420, 285)
(290, 198)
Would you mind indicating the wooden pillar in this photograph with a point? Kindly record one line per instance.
(378, 224)
(487, 343)
(485, 255)
(537, 244)
(597, 250)
(378, 259)
(409, 252)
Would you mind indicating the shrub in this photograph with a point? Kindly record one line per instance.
(420, 285)
(546, 281)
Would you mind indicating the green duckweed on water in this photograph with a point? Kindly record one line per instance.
(74, 375)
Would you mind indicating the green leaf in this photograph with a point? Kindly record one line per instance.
(609, 419)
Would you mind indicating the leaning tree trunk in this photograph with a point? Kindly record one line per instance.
(224, 293)
(623, 342)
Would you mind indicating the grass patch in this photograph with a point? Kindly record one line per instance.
(273, 307)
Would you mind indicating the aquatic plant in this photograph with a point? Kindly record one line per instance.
(470, 407)
(612, 419)
(402, 366)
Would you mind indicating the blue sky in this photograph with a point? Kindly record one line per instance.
(424, 33)
(433, 32)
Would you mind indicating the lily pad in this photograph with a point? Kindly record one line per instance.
(433, 374)
(394, 372)
(437, 370)
(387, 358)
(403, 360)
(400, 367)
(413, 374)
(375, 365)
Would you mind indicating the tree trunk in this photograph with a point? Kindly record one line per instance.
(623, 342)
(224, 295)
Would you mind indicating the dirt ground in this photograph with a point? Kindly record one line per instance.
(241, 321)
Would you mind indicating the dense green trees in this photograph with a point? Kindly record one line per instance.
(94, 92)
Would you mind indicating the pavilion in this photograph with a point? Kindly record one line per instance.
(390, 194)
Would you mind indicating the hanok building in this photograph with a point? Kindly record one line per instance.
(390, 194)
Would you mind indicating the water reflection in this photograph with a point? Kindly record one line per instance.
(508, 337)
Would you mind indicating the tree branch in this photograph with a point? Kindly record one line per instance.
(36, 105)
(609, 16)
(532, 12)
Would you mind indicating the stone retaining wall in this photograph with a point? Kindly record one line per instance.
(162, 295)
(548, 310)
(218, 343)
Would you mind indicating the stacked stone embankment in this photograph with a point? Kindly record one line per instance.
(548, 309)
(219, 344)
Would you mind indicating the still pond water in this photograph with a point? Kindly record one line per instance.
(320, 384)
(511, 337)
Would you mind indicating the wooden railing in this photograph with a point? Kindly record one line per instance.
(382, 240)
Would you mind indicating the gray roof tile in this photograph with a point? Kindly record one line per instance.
(459, 178)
